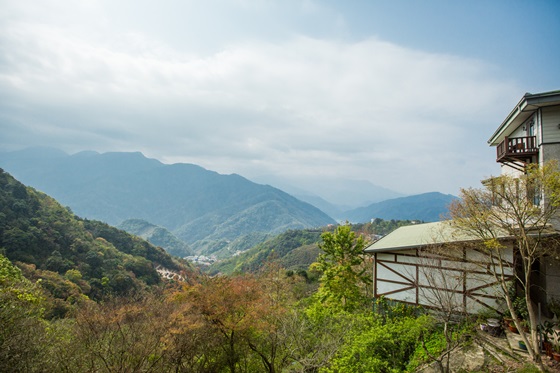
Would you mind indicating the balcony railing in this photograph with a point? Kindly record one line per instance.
(517, 149)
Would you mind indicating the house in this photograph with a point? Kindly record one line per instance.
(436, 266)
(530, 133)
(427, 264)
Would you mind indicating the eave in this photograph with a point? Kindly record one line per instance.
(528, 104)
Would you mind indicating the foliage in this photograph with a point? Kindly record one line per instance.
(374, 346)
(521, 207)
(248, 323)
(157, 236)
(280, 248)
(21, 308)
(73, 257)
(344, 275)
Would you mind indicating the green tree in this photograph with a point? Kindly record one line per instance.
(344, 277)
(522, 207)
(376, 346)
(22, 329)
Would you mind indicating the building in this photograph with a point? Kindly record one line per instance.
(427, 264)
(530, 133)
(435, 266)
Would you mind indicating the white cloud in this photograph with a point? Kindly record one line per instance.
(368, 109)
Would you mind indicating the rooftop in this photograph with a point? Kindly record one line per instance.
(413, 236)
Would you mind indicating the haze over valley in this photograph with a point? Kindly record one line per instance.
(210, 213)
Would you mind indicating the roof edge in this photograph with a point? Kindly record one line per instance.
(534, 100)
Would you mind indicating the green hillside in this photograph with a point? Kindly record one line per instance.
(73, 257)
(294, 249)
(157, 236)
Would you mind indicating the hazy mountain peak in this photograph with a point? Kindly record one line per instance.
(201, 207)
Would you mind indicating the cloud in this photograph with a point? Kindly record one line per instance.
(368, 109)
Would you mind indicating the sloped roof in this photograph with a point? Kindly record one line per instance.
(528, 104)
(418, 235)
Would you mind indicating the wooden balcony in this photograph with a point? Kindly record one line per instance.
(517, 151)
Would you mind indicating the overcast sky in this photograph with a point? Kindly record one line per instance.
(403, 94)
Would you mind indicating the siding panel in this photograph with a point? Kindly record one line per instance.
(551, 120)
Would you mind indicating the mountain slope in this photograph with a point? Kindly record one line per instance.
(331, 193)
(428, 207)
(195, 204)
(294, 249)
(157, 235)
(73, 256)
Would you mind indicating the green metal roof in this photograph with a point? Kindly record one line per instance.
(418, 235)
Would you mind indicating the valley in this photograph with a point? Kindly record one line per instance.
(193, 211)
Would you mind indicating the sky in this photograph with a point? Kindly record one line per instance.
(402, 94)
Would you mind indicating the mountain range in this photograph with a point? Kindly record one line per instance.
(331, 195)
(428, 207)
(207, 210)
(186, 208)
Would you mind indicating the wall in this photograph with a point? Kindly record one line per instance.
(550, 121)
(456, 278)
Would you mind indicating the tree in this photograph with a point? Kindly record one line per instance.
(523, 208)
(121, 335)
(231, 308)
(344, 277)
(22, 331)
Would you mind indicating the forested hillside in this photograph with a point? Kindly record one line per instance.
(73, 257)
(296, 250)
(205, 209)
(157, 235)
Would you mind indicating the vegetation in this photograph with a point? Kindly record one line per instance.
(157, 236)
(80, 296)
(284, 244)
(73, 258)
(345, 277)
(521, 207)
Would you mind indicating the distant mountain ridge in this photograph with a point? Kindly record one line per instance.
(429, 207)
(201, 207)
(331, 194)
